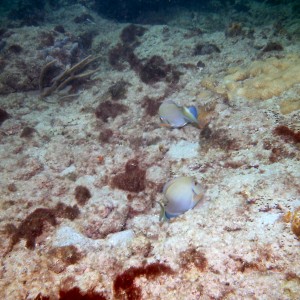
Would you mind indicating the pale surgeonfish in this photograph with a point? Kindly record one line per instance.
(176, 116)
(180, 195)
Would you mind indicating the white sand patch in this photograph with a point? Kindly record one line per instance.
(183, 149)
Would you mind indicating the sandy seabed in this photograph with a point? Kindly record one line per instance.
(104, 239)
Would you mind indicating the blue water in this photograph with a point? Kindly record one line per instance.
(127, 11)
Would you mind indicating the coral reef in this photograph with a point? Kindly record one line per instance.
(218, 139)
(110, 219)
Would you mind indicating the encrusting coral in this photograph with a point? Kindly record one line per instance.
(261, 80)
(294, 219)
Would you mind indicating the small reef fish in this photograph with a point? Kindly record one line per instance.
(180, 195)
(176, 116)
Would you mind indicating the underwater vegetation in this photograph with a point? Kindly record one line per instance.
(108, 109)
(278, 148)
(234, 29)
(105, 135)
(59, 258)
(75, 294)
(130, 34)
(118, 90)
(218, 139)
(82, 195)
(124, 52)
(272, 46)
(154, 69)
(121, 54)
(132, 180)
(287, 134)
(204, 49)
(194, 257)
(124, 286)
(34, 224)
(3, 115)
(151, 105)
(27, 132)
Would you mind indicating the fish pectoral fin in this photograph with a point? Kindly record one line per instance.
(165, 125)
(162, 214)
(197, 198)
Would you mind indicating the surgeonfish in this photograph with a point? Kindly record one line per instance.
(176, 116)
(180, 195)
(190, 114)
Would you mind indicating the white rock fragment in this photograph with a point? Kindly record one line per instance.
(86, 180)
(67, 236)
(69, 170)
(120, 238)
(183, 149)
(156, 173)
(268, 219)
